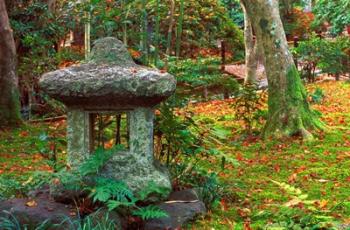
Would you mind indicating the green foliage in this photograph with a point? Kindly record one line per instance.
(97, 160)
(336, 56)
(203, 23)
(151, 190)
(235, 11)
(107, 189)
(96, 221)
(175, 135)
(210, 190)
(331, 56)
(10, 187)
(38, 32)
(248, 106)
(317, 96)
(9, 222)
(335, 12)
(113, 193)
(150, 212)
(309, 54)
(292, 217)
(202, 72)
(289, 218)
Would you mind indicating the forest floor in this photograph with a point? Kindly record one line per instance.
(256, 193)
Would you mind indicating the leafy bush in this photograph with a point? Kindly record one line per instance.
(336, 57)
(309, 54)
(331, 56)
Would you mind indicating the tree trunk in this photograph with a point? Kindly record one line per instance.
(289, 111)
(144, 32)
(179, 28)
(170, 31)
(251, 62)
(9, 99)
(157, 34)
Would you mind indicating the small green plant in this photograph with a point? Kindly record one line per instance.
(107, 189)
(317, 96)
(100, 220)
(249, 103)
(210, 190)
(175, 136)
(149, 212)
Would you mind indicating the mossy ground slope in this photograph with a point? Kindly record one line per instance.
(319, 168)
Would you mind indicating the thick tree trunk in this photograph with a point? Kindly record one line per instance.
(251, 61)
(9, 98)
(289, 111)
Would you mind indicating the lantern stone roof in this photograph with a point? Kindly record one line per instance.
(109, 80)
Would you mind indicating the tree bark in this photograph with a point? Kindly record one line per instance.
(289, 111)
(251, 61)
(9, 99)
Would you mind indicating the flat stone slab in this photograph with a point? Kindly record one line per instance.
(34, 211)
(110, 79)
(183, 206)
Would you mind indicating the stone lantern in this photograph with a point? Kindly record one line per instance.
(111, 82)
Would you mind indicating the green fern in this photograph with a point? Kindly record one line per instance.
(153, 189)
(113, 204)
(108, 189)
(150, 212)
(97, 160)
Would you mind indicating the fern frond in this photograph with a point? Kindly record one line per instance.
(107, 189)
(97, 160)
(113, 204)
(150, 212)
(152, 189)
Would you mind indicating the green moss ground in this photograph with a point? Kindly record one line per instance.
(320, 168)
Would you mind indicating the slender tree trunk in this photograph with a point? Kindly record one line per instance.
(179, 28)
(251, 48)
(144, 32)
(87, 37)
(289, 111)
(9, 98)
(157, 34)
(170, 31)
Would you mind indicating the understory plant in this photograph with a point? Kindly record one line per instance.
(114, 194)
(248, 107)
